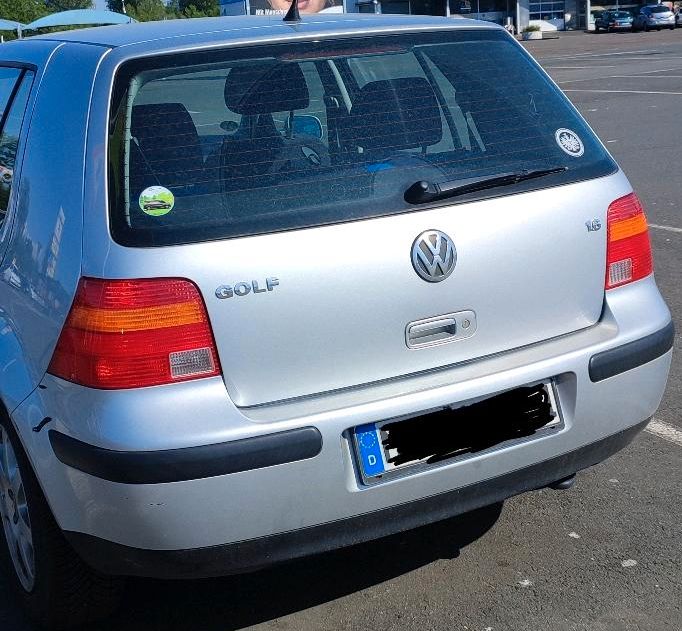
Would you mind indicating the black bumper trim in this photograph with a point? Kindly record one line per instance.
(628, 356)
(244, 556)
(188, 463)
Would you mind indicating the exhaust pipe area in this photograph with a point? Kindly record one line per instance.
(564, 484)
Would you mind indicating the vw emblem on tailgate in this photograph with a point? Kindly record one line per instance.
(434, 255)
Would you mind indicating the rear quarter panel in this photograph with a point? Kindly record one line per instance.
(41, 264)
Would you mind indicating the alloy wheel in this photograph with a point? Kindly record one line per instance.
(14, 514)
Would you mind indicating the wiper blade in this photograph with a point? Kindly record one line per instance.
(423, 192)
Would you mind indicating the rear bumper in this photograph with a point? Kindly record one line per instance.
(173, 499)
(243, 556)
(193, 463)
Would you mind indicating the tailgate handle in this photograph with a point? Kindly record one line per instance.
(430, 332)
(440, 329)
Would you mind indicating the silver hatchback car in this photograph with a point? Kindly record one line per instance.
(272, 288)
(657, 16)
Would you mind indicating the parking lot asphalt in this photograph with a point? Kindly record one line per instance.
(604, 556)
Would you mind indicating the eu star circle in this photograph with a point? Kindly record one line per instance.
(367, 440)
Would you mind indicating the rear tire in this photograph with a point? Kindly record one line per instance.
(56, 587)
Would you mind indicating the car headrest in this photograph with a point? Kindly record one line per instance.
(162, 121)
(265, 88)
(396, 114)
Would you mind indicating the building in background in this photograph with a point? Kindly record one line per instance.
(278, 7)
(232, 7)
(550, 15)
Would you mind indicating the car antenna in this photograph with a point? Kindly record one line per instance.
(292, 14)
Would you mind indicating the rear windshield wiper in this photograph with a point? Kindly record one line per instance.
(422, 192)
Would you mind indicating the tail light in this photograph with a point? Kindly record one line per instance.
(628, 250)
(135, 333)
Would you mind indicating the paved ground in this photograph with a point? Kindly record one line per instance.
(606, 556)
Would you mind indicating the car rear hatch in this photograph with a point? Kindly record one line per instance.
(324, 273)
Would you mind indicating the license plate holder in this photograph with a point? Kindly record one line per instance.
(377, 459)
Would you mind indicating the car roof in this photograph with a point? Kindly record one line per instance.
(254, 28)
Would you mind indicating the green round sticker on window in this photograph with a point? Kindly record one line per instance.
(156, 201)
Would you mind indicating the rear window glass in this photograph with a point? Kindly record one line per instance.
(279, 137)
(660, 10)
(621, 14)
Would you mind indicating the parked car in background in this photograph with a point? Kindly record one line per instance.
(654, 17)
(678, 18)
(613, 21)
(267, 291)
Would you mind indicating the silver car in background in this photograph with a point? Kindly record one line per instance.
(270, 288)
(657, 16)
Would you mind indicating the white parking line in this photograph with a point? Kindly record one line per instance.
(659, 70)
(577, 67)
(648, 59)
(664, 431)
(624, 52)
(619, 76)
(644, 76)
(668, 228)
(623, 91)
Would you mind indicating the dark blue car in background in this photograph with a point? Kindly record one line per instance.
(613, 21)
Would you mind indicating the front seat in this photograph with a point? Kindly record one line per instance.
(257, 155)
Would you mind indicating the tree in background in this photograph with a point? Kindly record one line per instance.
(54, 6)
(23, 11)
(26, 11)
(198, 8)
(147, 10)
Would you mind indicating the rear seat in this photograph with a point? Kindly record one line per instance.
(166, 150)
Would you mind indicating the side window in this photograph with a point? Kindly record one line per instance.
(378, 68)
(316, 90)
(15, 86)
(459, 120)
(8, 79)
(316, 107)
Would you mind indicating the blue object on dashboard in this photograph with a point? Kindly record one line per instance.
(380, 166)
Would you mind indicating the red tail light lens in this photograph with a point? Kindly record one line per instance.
(628, 253)
(135, 333)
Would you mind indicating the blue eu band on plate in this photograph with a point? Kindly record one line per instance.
(370, 451)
